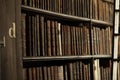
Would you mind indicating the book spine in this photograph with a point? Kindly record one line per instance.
(48, 38)
(23, 31)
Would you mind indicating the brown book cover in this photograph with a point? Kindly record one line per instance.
(57, 39)
(38, 33)
(77, 71)
(109, 41)
(29, 35)
(94, 40)
(38, 73)
(56, 72)
(23, 31)
(104, 12)
(69, 40)
(88, 41)
(92, 37)
(95, 8)
(49, 72)
(24, 73)
(41, 75)
(30, 75)
(52, 73)
(74, 71)
(48, 38)
(77, 40)
(91, 9)
(45, 73)
(70, 72)
(33, 35)
(34, 73)
(80, 40)
(42, 36)
(65, 40)
(66, 72)
(81, 70)
(53, 38)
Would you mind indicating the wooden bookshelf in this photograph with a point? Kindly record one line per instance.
(62, 38)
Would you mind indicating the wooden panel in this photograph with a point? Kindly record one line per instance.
(18, 39)
(8, 53)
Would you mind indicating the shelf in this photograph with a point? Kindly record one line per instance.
(54, 58)
(55, 15)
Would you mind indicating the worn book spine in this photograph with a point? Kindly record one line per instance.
(48, 38)
(23, 31)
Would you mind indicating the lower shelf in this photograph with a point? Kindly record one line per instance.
(54, 58)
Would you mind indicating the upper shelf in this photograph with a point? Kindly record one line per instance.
(60, 16)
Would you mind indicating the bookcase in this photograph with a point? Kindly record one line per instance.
(61, 40)
(66, 39)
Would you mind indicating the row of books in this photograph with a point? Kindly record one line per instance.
(69, 71)
(101, 40)
(76, 70)
(96, 9)
(45, 37)
(105, 69)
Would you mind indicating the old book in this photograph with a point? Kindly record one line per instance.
(29, 35)
(56, 72)
(53, 38)
(45, 73)
(81, 71)
(38, 33)
(48, 38)
(62, 38)
(42, 37)
(77, 71)
(69, 40)
(49, 72)
(30, 74)
(23, 31)
(57, 39)
(80, 40)
(24, 73)
(88, 40)
(65, 40)
(70, 71)
(38, 73)
(41, 73)
(92, 39)
(91, 11)
(77, 40)
(74, 71)
(33, 35)
(52, 73)
(109, 41)
(34, 73)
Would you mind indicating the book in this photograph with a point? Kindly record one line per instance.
(23, 33)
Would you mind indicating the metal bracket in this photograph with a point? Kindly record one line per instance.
(2, 43)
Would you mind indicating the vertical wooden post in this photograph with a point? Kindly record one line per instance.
(115, 44)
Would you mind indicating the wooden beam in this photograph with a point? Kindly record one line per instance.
(115, 46)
